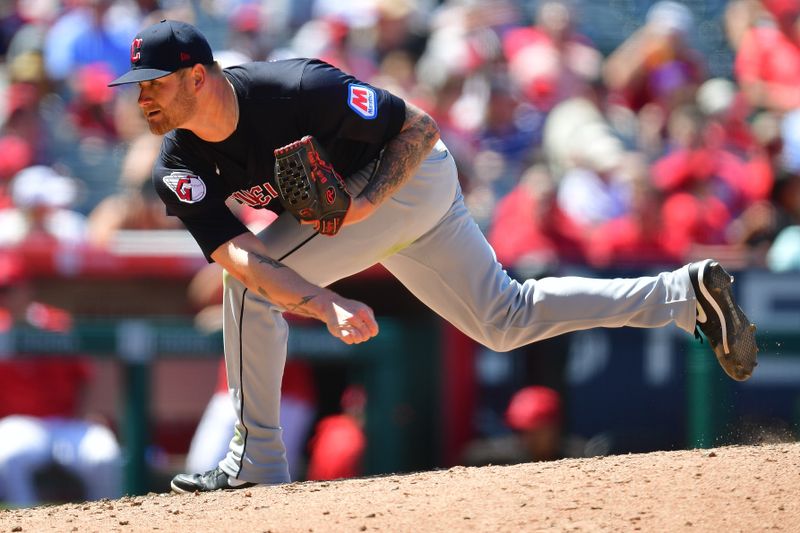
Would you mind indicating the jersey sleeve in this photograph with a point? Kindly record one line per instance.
(191, 190)
(337, 105)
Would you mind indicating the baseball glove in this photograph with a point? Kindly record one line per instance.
(309, 187)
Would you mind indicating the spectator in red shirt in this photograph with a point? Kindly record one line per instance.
(338, 444)
(759, 144)
(707, 185)
(17, 155)
(44, 426)
(656, 64)
(641, 236)
(536, 417)
(536, 414)
(551, 61)
(727, 111)
(90, 110)
(529, 231)
(768, 59)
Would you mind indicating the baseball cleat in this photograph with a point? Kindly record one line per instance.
(727, 328)
(212, 480)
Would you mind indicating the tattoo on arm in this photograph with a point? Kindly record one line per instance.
(402, 155)
(296, 308)
(299, 307)
(269, 261)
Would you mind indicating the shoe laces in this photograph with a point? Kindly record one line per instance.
(211, 476)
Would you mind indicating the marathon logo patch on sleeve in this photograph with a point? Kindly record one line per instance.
(188, 188)
(362, 100)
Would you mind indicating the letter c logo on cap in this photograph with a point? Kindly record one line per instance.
(136, 47)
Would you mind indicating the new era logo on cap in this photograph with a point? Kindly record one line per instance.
(164, 48)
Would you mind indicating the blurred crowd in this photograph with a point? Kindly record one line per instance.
(568, 153)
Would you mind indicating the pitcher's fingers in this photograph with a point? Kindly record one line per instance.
(353, 335)
(346, 336)
(366, 318)
(366, 328)
(370, 327)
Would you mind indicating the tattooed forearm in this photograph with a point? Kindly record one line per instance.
(269, 261)
(299, 307)
(403, 155)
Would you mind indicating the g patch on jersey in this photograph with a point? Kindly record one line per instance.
(362, 100)
(188, 188)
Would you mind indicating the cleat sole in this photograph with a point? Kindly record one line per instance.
(737, 353)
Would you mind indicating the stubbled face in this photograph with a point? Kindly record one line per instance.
(167, 103)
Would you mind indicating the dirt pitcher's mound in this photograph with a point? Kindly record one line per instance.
(740, 488)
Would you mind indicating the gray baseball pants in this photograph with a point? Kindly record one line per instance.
(425, 237)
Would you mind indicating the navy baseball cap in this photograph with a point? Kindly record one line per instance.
(163, 48)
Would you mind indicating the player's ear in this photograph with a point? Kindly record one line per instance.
(198, 76)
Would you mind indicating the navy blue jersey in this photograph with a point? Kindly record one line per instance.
(279, 102)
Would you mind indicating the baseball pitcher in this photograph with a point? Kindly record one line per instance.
(358, 177)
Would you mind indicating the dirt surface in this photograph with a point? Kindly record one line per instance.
(739, 488)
